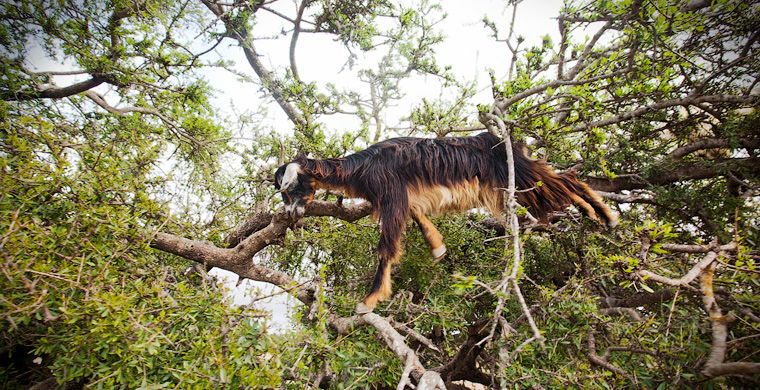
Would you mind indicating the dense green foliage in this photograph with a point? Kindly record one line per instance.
(656, 107)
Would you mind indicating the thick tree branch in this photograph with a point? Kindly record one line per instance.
(711, 143)
(52, 92)
(426, 379)
(239, 259)
(253, 223)
(683, 171)
(696, 270)
(683, 281)
(629, 198)
(640, 299)
(317, 208)
(464, 364)
(409, 332)
(696, 248)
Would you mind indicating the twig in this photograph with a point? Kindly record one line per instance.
(622, 310)
(684, 281)
(670, 314)
(413, 334)
(601, 361)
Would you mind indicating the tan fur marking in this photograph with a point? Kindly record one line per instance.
(591, 193)
(612, 218)
(431, 234)
(385, 290)
(318, 185)
(434, 200)
(578, 201)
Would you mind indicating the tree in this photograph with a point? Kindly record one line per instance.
(104, 279)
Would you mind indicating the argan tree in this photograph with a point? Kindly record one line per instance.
(126, 176)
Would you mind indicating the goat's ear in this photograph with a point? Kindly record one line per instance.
(290, 177)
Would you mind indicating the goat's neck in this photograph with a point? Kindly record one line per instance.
(329, 174)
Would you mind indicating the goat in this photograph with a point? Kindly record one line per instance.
(413, 177)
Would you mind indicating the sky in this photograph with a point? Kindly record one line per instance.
(468, 48)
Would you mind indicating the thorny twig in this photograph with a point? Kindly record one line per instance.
(511, 222)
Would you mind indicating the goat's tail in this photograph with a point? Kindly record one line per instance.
(542, 191)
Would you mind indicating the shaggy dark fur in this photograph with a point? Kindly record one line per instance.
(410, 177)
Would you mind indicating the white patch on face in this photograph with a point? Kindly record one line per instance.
(295, 210)
(290, 177)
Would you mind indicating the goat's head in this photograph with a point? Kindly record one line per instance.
(296, 188)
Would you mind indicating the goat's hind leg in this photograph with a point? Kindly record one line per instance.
(432, 236)
(602, 210)
(591, 204)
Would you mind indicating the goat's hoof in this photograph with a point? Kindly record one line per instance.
(438, 253)
(361, 308)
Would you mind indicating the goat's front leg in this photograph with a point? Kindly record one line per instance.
(389, 252)
(431, 234)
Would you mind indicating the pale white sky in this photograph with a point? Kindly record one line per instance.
(468, 48)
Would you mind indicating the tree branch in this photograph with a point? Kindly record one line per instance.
(294, 39)
(52, 92)
(589, 46)
(503, 104)
(696, 270)
(690, 100)
(640, 299)
(317, 208)
(666, 175)
(711, 143)
(715, 366)
(239, 32)
(683, 281)
(172, 127)
(426, 379)
(629, 198)
(464, 364)
(238, 259)
(602, 361)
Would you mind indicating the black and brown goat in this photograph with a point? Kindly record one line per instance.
(413, 177)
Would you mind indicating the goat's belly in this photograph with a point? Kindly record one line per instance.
(458, 197)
